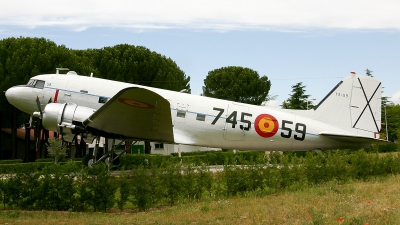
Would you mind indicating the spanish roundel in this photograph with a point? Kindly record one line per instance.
(266, 125)
(136, 103)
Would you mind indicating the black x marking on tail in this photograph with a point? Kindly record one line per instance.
(367, 105)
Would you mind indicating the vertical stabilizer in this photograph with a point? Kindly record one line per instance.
(354, 103)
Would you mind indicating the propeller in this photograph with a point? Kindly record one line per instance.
(40, 113)
(40, 116)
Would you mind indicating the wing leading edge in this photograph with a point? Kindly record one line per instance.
(135, 113)
(353, 138)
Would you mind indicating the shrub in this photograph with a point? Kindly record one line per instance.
(102, 188)
(56, 190)
(172, 181)
(141, 191)
(10, 161)
(57, 149)
(124, 190)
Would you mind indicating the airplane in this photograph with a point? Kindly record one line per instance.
(348, 117)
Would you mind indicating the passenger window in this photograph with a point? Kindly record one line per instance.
(181, 113)
(39, 84)
(103, 100)
(201, 117)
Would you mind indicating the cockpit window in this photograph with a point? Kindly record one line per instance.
(39, 84)
(31, 82)
(36, 83)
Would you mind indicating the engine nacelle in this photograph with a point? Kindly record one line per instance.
(66, 119)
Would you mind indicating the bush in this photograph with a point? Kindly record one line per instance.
(134, 161)
(57, 149)
(102, 188)
(141, 189)
(161, 180)
(56, 188)
(172, 180)
(124, 190)
(10, 161)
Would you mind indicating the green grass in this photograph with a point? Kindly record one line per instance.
(372, 202)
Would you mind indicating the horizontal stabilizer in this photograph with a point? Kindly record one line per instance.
(353, 138)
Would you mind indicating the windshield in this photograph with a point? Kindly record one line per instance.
(31, 82)
(36, 83)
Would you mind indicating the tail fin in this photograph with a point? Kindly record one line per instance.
(354, 103)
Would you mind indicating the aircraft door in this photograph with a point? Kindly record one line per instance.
(236, 122)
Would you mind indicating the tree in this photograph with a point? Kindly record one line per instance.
(137, 65)
(298, 99)
(22, 58)
(57, 149)
(368, 72)
(237, 84)
(392, 121)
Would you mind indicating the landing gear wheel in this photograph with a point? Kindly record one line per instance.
(86, 159)
(107, 161)
(114, 163)
(90, 163)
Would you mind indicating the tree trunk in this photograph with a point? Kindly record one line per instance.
(43, 141)
(27, 142)
(37, 137)
(82, 148)
(14, 133)
(128, 145)
(1, 143)
(147, 147)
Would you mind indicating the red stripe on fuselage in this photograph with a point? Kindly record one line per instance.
(56, 97)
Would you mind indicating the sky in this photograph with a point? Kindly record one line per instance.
(314, 42)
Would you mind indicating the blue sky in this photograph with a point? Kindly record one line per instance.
(314, 42)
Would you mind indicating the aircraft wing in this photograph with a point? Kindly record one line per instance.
(135, 113)
(353, 138)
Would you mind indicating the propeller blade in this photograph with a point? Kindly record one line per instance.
(38, 105)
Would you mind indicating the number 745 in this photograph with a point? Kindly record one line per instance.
(232, 119)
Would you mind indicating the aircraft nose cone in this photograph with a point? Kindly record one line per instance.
(10, 95)
(21, 98)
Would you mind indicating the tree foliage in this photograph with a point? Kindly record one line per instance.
(237, 84)
(368, 72)
(57, 149)
(132, 64)
(22, 58)
(392, 121)
(298, 99)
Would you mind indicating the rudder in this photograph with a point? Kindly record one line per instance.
(354, 103)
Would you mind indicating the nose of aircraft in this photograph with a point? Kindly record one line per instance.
(21, 98)
(10, 95)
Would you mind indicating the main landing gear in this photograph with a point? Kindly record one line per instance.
(110, 158)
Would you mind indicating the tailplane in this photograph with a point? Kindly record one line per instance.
(354, 104)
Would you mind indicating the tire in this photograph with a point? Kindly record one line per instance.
(86, 159)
